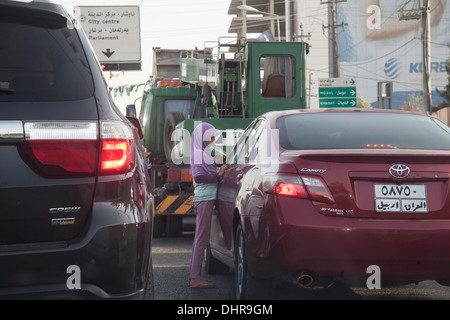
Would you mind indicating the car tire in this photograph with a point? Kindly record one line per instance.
(212, 265)
(171, 122)
(149, 290)
(248, 287)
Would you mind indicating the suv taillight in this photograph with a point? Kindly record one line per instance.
(71, 149)
(305, 187)
(61, 149)
(117, 154)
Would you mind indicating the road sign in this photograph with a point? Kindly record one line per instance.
(337, 93)
(336, 82)
(337, 103)
(114, 32)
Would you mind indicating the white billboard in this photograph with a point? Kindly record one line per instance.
(376, 46)
(114, 32)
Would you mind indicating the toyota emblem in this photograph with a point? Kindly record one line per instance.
(399, 171)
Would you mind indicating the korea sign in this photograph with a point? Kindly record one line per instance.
(114, 33)
(337, 93)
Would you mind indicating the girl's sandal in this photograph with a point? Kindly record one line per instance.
(200, 283)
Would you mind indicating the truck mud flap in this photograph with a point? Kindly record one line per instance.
(178, 205)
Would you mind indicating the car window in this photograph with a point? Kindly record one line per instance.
(186, 107)
(362, 130)
(39, 63)
(252, 141)
(277, 74)
(239, 146)
(245, 149)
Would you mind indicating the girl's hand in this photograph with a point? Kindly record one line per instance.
(222, 169)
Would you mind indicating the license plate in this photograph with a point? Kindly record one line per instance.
(410, 198)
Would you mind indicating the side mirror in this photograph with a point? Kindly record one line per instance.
(137, 125)
(131, 111)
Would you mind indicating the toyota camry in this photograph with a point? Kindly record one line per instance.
(311, 196)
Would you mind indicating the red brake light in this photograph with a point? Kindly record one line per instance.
(72, 156)
(117, 154)
(186, 175)
(61, 149)
(179, 175)
(376, 145)
(305, 187)
(291, 190)
(174, 175)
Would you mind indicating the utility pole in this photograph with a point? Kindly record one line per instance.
(426, 68)
(302, 33)
(421, 10)
(287, 19)
(332, 26)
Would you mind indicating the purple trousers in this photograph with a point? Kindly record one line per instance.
(204, 211)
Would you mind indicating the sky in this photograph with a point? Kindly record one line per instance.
(168, 24)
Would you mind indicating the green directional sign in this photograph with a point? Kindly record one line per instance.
(337, 93)
(337, 103)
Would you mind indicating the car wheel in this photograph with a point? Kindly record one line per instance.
(248, 287)
(149, 290)
(212, 265)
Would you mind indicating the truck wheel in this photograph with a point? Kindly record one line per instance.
(172, 120)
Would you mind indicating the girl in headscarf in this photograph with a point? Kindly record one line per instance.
(206, 179)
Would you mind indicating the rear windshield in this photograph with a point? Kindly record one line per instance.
(362, 130)
(42, 64)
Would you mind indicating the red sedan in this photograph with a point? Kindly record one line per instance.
(315, 195)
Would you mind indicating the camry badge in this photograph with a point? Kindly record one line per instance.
(399, 171)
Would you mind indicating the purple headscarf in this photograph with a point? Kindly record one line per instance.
(202, 162)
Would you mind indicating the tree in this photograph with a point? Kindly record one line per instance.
(361, 102)
(444, 94)
(416, 101)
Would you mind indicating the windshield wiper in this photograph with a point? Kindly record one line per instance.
(6, 91)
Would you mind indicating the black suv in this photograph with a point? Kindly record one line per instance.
(76, 205)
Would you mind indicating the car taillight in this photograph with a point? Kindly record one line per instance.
(61, 149)
(305, 187)
(179, 175)
(317, 189)
(173, 175)
(290, 190)
(117, 153)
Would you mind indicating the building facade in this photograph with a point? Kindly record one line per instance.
(364, 40)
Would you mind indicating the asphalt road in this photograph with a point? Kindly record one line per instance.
(171, 259)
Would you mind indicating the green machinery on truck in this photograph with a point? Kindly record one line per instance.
(243, 81)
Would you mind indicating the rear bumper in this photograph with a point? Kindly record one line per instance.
(113, 258)
(299, 238)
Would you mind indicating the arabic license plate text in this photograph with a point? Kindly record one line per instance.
(400, 198)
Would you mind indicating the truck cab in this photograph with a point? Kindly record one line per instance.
(228, 91)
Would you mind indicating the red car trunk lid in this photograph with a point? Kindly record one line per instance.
(407, 184)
